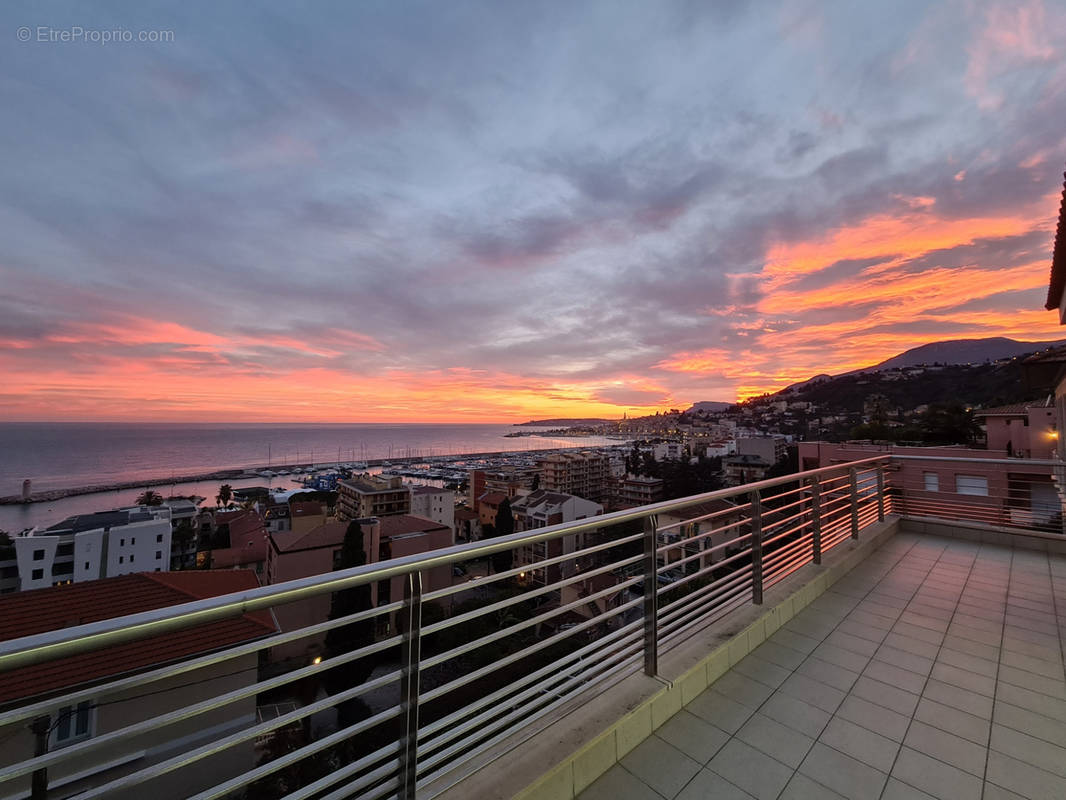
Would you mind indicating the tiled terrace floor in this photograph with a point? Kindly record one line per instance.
(934, 669)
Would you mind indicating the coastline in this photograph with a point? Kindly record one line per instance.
(49, 495)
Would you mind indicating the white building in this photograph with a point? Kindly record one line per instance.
(88, 547)
(722, 448)
(674, 451)
(540, 509)
(433, 503)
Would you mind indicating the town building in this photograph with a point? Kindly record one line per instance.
(306, 515)
(1022, 430)
(770, 449)
(467, 525)
(718, 518)
(292, 555)
(540, 509)
(489, 506)
(744, 468)
(89, 547)
(586, 474)
(367, 496)
(433, 503)
(240, 542)
(50, 609)
(638, 490)
(673, 451)
(510, 480)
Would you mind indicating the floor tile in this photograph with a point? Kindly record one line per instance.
(1028, 781)
(616, 783)
(762, 671)
(964, 679)
(842, 773)
(897, 790)
(841, 657)
(751, 770)
(947, 747)
(873, 717)
(661, 766)
(952, 720)
(1023, 747)
(956, 697)
(899, 677)
(935, 777)
(856, 741)
(803, 788)
(825, 672)
(720, 711)
(776, 740)
(1030, 722)
(818, 694)
(743, 689)
(920, 665)
(796, 714)
(693, 736)
(891, 697)
(706, 785)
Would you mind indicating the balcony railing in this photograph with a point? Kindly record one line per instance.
(456, 665)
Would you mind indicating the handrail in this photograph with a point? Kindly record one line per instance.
(43, 647)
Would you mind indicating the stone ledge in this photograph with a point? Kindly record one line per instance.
(1018, 538)
(588, 735)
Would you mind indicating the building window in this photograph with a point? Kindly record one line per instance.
(121, 559)
(158, 538)
(158, 554)
(932, 481)
(133, 541)
(74, 723)
(37, 574)
(38, 555)
(86, 565)
(121, 542)
(131, 559)
(971, 484)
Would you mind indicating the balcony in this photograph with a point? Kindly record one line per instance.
(848, 631)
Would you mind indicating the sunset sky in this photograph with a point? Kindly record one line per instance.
(433, 211)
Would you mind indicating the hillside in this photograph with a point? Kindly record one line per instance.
(962, 351)
(983, 385)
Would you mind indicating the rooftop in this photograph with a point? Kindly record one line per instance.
(934, 666)
(41, 610)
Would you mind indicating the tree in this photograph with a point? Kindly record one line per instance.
(501, 562)
(149, 498)
(350, 637)
(536, 481)
(949, 424)
(225, 494)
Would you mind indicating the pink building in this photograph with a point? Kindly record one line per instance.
(1025, 430)
(292, 555)
(928, 480)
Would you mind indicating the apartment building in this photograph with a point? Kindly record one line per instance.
(638, 490)
(586, 474)
(433, 503)
(540, 509)
(372, 496)
(770, 449)
(510, 481)
(89, 547)
(1022, 430)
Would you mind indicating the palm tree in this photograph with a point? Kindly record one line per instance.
(149, 498)
(225, 494)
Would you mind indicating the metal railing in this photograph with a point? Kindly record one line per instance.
(459, 664)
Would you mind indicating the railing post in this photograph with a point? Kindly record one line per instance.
(756, 548)
(816, 521)
(40, 727)
(410, 658)
(880, 492)
(854, 503)
(651, 596)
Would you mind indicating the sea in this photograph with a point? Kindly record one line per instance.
(72, 454)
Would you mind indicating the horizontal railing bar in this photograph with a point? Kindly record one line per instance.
(82, 638)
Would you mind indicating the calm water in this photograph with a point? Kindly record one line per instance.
(63, 455)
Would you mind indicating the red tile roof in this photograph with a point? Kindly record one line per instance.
(306, 508)
(401, 524)
(329, 534)
(42, 610)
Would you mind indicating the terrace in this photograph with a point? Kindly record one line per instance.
(850, 630)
